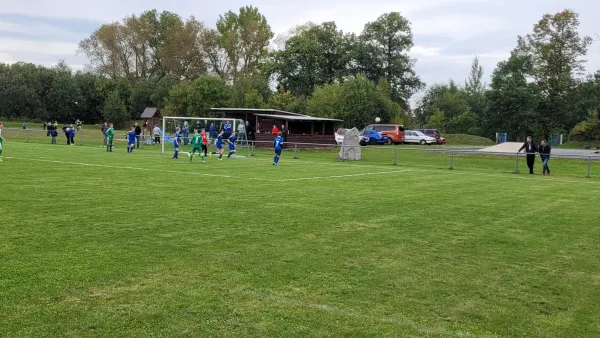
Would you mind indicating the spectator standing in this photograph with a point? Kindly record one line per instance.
(250, 131)
(65, 130)
(185, 130)
(104, 128)
(275, 130)
(71, 135)
(212, 131)
(78, 124)
(156, 133)
(530, 148)
(544, 151)
(138, 134)
(52, 131)
(284, 132)
(227, 129)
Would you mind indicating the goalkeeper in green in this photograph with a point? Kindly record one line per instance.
(196, 146)
(110, 134)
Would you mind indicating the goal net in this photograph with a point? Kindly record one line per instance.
(212, 127)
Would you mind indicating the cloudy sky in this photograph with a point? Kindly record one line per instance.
(448, 33)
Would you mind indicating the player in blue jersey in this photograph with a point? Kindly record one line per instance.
(131, 137)
(277, 145)
(219, 144)
(227, 128)
(176, 143)
(231, 142)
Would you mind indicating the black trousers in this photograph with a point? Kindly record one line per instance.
(530, 162)
(204, 149)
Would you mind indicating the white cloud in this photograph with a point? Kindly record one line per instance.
(19, 46)
(36, 29)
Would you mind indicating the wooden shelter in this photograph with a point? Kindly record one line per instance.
(301, 128)
(152, 116)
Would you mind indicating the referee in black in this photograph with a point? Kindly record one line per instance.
(530, 148)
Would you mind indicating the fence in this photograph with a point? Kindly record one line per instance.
(436, 156)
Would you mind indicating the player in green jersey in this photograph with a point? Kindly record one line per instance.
(110, 134)
(196, 146)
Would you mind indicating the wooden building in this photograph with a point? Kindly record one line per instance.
(314, 132)
(152, 116)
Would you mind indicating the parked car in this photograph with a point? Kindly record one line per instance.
(413, 136)
(433, 133)
(395, 132)
(373, 137)
(341, 133)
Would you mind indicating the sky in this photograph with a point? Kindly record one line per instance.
(448, 34)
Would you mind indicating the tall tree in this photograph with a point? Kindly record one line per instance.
(153, 44)
(383, 52)
(556, 48)
(513, 99)
(316, 55)
(244, 36)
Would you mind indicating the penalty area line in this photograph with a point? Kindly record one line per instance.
(342, 176)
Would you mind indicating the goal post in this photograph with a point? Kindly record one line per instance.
(212, 126)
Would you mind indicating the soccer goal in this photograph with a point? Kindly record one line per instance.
(212, 126)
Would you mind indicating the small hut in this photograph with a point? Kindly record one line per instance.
(151, 117)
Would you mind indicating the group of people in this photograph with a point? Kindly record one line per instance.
(543, 149)
(199, 143)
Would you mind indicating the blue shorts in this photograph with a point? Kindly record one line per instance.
(219, 146)
(231, 147)
(131, 144)
(278, 151)
(175, 145)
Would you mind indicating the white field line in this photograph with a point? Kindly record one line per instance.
(436, 330)
(210, 175)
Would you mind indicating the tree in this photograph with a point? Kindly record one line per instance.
(141, 97)
(357, 101)
(447, 98)
(176, 103)
(153, 44)
(513, 100)
(383, 52)
(114, 110)
(207, 92)
(244, 37)
(315, 56)
(588, 130)
(436, 120)
(556, 48)
(283, 100)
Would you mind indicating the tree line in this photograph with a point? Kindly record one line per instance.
(184, 68)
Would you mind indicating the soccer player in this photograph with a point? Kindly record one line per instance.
(219, 144)
(1, 139)
(197, 145)
(204, 142)
(176, 143)
(131, 136)
(231, 142)
(110, 133)
(277, 144)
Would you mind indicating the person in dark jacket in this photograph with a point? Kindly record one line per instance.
(71, 135)
(104, 128)
(544, 151)
(530, 148)
(138, 134)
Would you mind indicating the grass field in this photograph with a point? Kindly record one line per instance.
(115, 244)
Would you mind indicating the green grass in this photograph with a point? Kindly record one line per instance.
(467, 140)
(115, 244)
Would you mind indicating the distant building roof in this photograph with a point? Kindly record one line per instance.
(255, 110)
(297, 118)
(149, 113)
